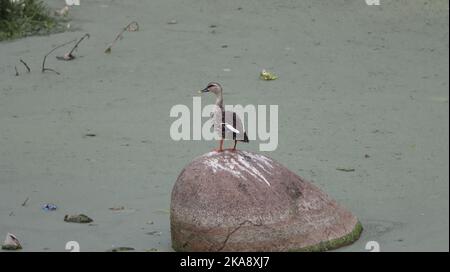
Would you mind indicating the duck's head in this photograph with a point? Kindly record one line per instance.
(212, 87)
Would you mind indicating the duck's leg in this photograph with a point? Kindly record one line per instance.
(234, 147)
(220, 149)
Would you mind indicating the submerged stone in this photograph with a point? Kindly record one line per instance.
(11, 242)
(243, 201)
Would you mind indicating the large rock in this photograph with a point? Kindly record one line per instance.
(242, 201)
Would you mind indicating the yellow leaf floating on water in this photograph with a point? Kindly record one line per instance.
(266, 75)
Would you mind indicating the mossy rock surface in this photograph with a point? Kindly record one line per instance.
(243, 201)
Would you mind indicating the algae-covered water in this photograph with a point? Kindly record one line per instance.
(362, 88)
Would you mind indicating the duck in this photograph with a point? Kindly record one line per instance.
(227, 124)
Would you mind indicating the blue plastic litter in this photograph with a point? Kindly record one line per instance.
(49, 207)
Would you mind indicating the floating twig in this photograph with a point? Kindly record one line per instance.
(69, 55)
(26, 65)
(25, 202)
(131, 27)
(344, 169)
(17, 72)
(51, 51)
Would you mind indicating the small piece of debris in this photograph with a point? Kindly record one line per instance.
(78, 218)
(11, 242)
(90, 135)
(367, 156)
(150, 223)
(162, 211)
(172, 22)
(266, 75)
(133, 27)
(213, 26)
(224, 46)
(121, 208)
(120, 249)
(155, 233)
(66, 57)
(345, 169)
(25, 202)
(49, 207)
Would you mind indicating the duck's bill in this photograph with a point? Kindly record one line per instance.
(204, 90)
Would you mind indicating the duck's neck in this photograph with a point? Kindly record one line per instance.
(219, 101)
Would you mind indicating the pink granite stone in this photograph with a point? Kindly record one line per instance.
(243, 201)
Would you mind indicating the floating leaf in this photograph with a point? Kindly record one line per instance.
(266, 75)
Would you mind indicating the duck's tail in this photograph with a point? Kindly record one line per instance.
(245, 138)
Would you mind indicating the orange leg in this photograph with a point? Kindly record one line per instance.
(220, 149)
(234, 147)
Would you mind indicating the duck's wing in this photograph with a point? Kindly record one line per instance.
(228, 125)
(230, 128)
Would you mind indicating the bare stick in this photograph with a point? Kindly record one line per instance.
(25, 202)
(17, 72)
(26, 65)
(120, 34)
(69, 55)
(79, 41)
(51, 51)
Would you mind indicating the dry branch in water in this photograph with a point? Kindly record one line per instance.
(69, 56)
(26, 65)
(131, 27)
(51, 51)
